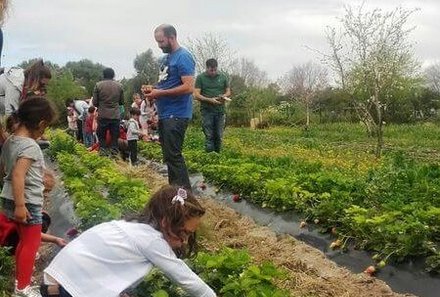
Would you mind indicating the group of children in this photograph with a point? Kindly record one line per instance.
(148, 118)
(105, 259)
(88, 119)
(140, 125)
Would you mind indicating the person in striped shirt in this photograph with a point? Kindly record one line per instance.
(113, 256)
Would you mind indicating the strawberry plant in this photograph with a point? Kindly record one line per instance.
(388, 205)
(99, 191)
(229, 272)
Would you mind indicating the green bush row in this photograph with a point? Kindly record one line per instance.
(100, 193)
(392, 208)
(229, 272)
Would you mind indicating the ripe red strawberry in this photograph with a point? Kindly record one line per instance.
(236, 197)
(72, 232)
(371, 270)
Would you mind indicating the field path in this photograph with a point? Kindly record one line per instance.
(310, 273)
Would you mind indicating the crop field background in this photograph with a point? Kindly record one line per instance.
(329, 174)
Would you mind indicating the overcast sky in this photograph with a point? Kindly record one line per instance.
(271, 33)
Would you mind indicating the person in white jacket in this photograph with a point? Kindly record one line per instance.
(17, 84)
(110, 257)
(11, 85)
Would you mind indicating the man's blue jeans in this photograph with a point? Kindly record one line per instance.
(172, 134)
(213, 124)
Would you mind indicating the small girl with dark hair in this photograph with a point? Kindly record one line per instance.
(110, 257)
(22, 164)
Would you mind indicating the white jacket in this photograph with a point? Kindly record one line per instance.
(110, 257)
(11, 86)
(133, 130)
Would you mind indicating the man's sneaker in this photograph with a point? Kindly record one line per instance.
(27, 292)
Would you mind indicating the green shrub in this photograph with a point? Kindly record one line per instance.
(6, 270)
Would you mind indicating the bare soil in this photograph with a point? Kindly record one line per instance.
(310, 273)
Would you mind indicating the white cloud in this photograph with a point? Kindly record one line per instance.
(272, 33)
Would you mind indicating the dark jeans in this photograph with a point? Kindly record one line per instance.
(133, 151)
(79, 134)
(88, 139)
(213, 124)
(111, 125)
(172, 134)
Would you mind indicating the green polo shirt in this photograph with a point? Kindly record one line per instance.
(212, 87)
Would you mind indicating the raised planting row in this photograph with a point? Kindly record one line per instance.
(229, 272)
(101, 193)
(391, 206)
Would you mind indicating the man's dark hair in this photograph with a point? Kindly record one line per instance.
(69, 101)
(135, 111)
(168, 30)
(211, 63)
(108, 73)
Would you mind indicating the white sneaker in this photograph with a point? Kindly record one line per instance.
(29, 291)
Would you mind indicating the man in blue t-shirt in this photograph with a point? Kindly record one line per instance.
(173, 95)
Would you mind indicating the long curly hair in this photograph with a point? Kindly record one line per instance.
(160, 209)
(4, 5)
(34, 74)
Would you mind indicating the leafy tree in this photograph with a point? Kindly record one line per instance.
(237, 84)
(147, 72)
(251, 103)
(61, 87)
(86, 73)
(427, 103)
(147, 67)
(53, 67)
(334, 104)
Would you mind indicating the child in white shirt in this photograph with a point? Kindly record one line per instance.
(110, 257)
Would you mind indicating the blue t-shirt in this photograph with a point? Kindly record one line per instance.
(173, 67)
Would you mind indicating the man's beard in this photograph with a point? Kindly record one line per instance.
(166, 49)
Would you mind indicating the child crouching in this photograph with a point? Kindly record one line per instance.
(110, 257)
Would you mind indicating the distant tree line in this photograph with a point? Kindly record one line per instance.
(369, 74)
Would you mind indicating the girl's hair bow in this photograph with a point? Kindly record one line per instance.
(180, 196)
